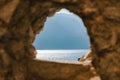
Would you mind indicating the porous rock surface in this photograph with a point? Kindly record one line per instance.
(22, 20)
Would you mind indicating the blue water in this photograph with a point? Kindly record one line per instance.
(61, 55)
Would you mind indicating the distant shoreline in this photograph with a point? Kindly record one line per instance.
(63, 51)
(61, 55)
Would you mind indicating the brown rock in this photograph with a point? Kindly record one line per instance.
(23, 19)
(7, 11)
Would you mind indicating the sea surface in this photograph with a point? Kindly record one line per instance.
(61, 55)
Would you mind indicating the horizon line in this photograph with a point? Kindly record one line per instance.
(61, 51)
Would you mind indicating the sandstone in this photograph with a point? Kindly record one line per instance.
(5, 57)
(2, 31)
(7, 11)
(112, 13)
(22, 20)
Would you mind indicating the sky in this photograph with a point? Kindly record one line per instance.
(64, 30)
(65, 11)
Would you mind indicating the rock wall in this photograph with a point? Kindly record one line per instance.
(21, 20)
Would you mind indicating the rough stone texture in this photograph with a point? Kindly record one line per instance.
(59, 71)
(21, 20)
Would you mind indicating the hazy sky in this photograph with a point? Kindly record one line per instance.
(64, 11)
(64, 30)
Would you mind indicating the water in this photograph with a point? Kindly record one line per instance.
(61, 55)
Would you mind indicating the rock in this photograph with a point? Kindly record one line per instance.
(7, 11)
(5, 57)
(22, 20)
(86, 57)
(2, 31)
(112, 13)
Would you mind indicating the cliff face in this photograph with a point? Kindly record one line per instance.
(21, 20)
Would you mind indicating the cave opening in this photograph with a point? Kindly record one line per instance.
(64, 38)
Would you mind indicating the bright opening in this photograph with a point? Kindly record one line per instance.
(64, 37)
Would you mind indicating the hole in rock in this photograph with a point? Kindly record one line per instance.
(64, 38)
